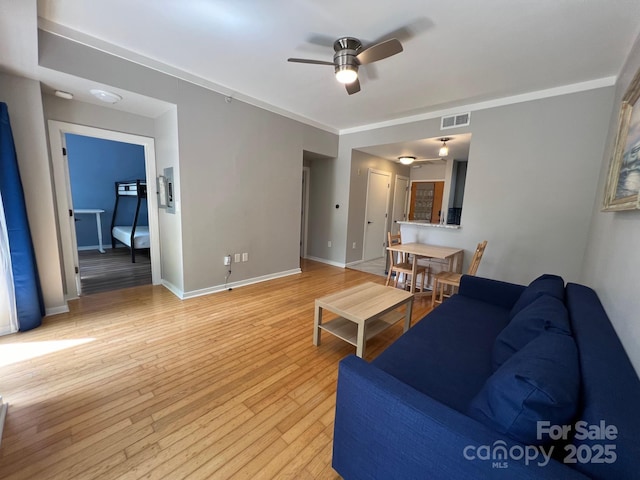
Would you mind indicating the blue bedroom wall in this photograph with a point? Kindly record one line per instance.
(94, 167)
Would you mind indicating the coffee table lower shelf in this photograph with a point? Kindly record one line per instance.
(348, 330)
(362, 312)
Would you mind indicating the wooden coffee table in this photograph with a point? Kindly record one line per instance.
(365, 311)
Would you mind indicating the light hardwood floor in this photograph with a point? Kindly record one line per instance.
(137, 384)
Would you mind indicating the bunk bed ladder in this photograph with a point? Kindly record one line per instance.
(141, 193)
(113, 217)
(135, 223)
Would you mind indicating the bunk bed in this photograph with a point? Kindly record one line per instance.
(133, 236)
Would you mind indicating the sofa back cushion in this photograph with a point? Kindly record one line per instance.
(610, 390)
(540, 382)
(543, 285)
(545, 313)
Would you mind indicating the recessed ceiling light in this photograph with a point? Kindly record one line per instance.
(105, 96)
(65, 95)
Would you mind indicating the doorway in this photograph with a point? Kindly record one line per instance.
(399, 211)
(304, 209)
(95, 165)
(64, 199)
(376, 214)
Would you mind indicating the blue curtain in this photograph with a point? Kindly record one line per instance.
(29, 302)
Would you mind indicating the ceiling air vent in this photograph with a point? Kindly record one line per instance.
(453, 121)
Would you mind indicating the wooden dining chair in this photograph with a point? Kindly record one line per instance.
(399, 263)
(452, 279)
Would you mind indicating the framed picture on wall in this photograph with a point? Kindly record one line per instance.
(623, 183)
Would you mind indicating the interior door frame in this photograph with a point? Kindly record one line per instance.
(366, 210)
(64, 203)
(306, 183)
(407, 197)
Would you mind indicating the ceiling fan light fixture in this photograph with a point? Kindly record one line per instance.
(406, 160)
(346, 73)
(444, 150)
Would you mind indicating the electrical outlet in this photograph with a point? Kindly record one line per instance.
(237, 258)
(329, 244)
(354, 245)
(245, 257)
(227, 259)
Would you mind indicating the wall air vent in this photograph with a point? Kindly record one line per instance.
(453, 121)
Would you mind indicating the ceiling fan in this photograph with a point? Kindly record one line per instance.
(350, 54)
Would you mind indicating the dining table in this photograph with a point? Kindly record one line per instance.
(453, 255)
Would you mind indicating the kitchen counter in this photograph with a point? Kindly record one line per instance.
(427, 224)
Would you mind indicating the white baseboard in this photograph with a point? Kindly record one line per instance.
(351, 264)
(94, 247)
(328, 262)
(57, 310)
(239, 283)
(173, 289)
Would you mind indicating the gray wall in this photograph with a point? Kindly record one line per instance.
(433, 171)
(612, 260)
(532, 197)
(24, 101)
(360, 164)
(170, 224)
(243, 167)
(90, 115)
(240, 169)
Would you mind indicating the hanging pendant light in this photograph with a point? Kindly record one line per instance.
(444, 150)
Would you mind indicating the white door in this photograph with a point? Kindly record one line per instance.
(400, 203)
(375, 222)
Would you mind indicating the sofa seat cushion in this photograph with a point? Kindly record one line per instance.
(544, 313)
(447, 354)
(543, 285)
(541, 382)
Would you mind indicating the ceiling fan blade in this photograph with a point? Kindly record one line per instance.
(321, 40)
(307, 60)
(380, 51)
(408, 31)
(353, 87)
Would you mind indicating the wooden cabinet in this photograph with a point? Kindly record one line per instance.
(426, 201)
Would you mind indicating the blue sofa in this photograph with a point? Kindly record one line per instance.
(500, 381)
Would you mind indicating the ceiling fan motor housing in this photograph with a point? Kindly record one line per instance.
(346, 50)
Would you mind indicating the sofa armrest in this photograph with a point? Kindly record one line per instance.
(386, 429)
(502, 294)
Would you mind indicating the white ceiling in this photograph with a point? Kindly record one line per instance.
(425, 150)
(455, 53)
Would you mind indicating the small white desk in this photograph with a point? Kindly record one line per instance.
(96, 212)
